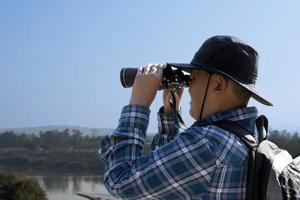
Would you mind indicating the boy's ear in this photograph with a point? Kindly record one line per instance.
(220, 83)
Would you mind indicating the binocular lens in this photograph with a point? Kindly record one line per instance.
(127, 76)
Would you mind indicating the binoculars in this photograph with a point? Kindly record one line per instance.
(173, 78)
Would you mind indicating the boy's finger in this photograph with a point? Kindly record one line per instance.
(140, 70)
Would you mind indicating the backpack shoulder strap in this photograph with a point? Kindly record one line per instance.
(262, 127)
(240, 131)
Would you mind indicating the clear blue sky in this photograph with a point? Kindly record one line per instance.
(60, 60)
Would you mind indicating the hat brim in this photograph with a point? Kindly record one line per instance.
(250, 87)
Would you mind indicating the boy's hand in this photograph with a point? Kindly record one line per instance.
(166, 100)
(146, 84)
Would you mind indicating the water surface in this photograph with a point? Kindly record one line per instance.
(65, 186)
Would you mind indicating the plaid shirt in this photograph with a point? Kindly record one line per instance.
(203, 162)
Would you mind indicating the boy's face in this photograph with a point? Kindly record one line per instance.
(197, 92)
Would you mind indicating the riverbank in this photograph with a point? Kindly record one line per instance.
(61, 161)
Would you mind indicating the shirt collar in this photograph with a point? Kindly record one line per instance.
(237, 114)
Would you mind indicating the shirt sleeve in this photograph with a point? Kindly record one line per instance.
(127, 140)
(203, 162)
(167, 129)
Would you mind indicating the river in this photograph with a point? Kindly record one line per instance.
(65, 186)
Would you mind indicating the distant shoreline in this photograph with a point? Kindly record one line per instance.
(38, 129)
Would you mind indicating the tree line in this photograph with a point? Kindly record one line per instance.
(50, 140)
(57, 151)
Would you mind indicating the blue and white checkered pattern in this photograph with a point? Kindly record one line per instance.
(167, 129)
(203, 162)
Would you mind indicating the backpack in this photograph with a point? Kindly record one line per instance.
(272, 172)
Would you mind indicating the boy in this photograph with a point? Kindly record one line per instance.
(204, 161)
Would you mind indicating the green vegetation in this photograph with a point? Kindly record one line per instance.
(49, 140)
(80, 161)
(18, 187)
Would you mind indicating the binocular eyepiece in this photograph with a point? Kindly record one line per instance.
(173, 78)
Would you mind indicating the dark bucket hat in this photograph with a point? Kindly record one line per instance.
(231, 57)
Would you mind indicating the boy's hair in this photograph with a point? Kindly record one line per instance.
(241, 93)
